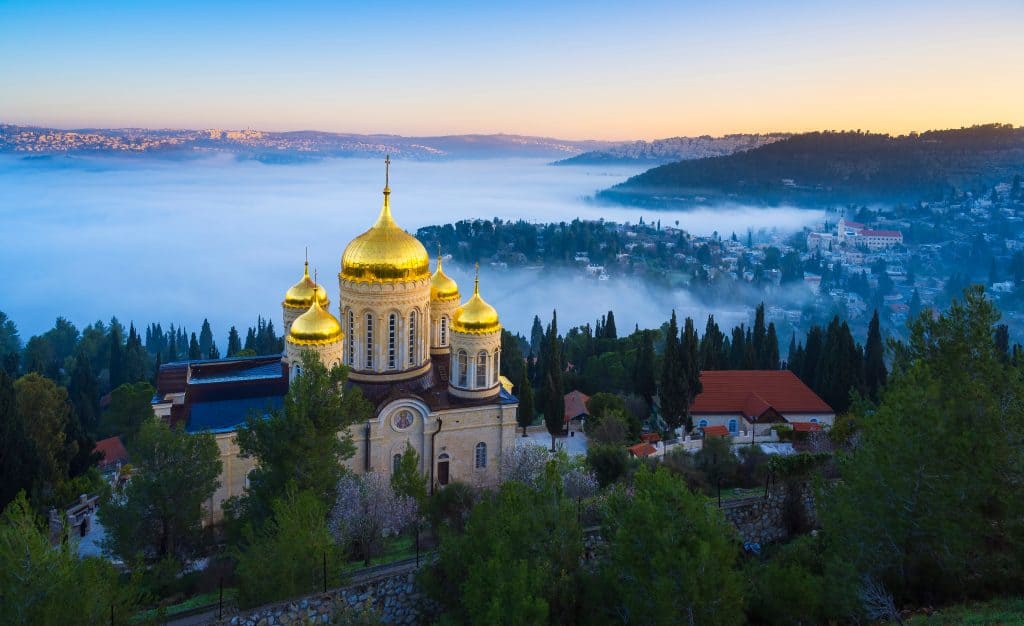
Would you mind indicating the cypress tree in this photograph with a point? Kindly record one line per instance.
(672, 391)
(194, 352)
(214, 352)
(554, 400)
(609, 327)
(234, 342)
(875, 373)
(643, 371)
(205, 339)
(811, 361)
(526, 414)
(116, 366)
(84, 395)
(536, 335)
(172, 345)
(737, 348)
(250, 340)
(760, 339)
(690, 367)
(915, 305)
(772, 343)
(135, 359)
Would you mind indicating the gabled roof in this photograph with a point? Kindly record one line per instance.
(111, 451)
(716, 431)
(575, 404)
(751, 392)
(642, 449)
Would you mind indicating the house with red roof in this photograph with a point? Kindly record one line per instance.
(576, 405)
(740, 400)
(112, 454)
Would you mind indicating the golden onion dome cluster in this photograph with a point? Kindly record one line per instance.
(385, 253)
(300, 295)
(442, 287)
(315, 327)
(476, 316)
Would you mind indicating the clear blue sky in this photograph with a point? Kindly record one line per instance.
(570, 69)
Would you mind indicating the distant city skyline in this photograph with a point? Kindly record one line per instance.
(597, 70)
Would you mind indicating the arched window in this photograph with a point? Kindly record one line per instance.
(369, 341)
(495, 367)
(733, 426)
(351, 338)
(412, 338)
(463, 377)
(396, 462)
(481, 370)
(481, 455)
(702, 423)
(444, 330)
(392, 346)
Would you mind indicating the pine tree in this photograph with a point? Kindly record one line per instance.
(234, 342)
(875, 373)
(84, 395)
(205, 339)
(194, 352)
(672, 391)
(554, 394)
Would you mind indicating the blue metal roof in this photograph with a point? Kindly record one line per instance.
(505, 397)
(222, 416)
(265, 371)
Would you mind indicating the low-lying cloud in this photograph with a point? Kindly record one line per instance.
(176, 241)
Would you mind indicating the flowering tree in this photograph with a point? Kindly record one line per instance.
(525, 464)
(368, 510)
(579, 483)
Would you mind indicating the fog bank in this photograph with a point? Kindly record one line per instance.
(177, 241)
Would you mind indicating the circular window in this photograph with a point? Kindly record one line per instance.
(403, 420)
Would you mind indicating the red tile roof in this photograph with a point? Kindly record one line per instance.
(575, 404)
(650, 437)
(111, 450)
(751, 392)
(642, 449)
(716, 431)
(881, 233)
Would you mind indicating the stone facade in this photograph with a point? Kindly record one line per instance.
(394, 598)
(763, 520)
(365, 310)
(469, 352)
(233, 476)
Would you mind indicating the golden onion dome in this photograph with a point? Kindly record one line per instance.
(315, 327)
(476, 316)
(300, 295)
(385, 253)
(442, 287)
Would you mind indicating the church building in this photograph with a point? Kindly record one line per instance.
(427, 360)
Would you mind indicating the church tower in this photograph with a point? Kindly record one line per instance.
(299, 297)
(444, 299)
(384, 285)
(315, 330)
(476, 348)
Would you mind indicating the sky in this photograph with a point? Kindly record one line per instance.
(573, 69)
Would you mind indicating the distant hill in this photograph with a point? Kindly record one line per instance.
(835, 167)
(280, 147)
(672, 149)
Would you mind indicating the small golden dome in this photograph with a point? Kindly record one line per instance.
(442, 287)
(385, 253)
(315, 327)
(300, 295)
(476, 316)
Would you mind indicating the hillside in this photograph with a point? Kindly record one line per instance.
(672, 149)
(835, 167)
(279, 146)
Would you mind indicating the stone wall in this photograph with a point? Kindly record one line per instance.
(394, 597)
(763, 520)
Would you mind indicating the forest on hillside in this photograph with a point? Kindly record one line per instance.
(836, 168)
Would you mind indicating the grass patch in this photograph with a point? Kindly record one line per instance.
(991, 613)
(402, 547)
(737, 493)
(203, 599)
